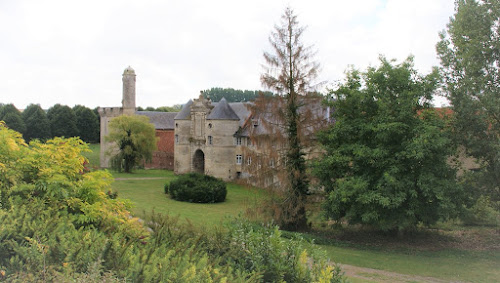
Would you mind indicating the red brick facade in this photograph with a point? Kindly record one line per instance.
(163, 158)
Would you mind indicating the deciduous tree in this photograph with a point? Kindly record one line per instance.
(37, 123)
(62, 121)
(470, 56)
(87, 124)
(12, 117)
(385, 161)
(135, 139)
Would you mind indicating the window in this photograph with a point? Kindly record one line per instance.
(249, 160)
(239, 158)
(271, 163)
(210, 125)
(176, 138)
(176, 125)
(210, 140)
(238, 141)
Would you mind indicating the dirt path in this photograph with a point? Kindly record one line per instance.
(376, 275)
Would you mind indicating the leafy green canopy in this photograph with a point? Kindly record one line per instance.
(470, 52)
(233, 95)
(136, 140)
(12, 117)
(62, 121)
(87, 124)
(385, 160)
(37, 123)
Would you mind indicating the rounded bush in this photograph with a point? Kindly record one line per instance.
(199, 188)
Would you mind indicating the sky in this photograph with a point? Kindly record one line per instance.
(74, 52)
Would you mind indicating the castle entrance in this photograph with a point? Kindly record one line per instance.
(199, 162)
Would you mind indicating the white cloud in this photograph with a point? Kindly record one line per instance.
(74, 52)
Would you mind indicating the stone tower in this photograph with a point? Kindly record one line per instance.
(128, 102)
(108, 113)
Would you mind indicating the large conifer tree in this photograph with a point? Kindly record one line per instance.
(289, 73)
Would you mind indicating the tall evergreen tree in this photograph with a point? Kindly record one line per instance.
(470, 52)
(289, 73)
(62, 121)
(12, 118)
(37, 123)
(87, 124)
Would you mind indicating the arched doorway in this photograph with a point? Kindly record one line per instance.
(199, 162)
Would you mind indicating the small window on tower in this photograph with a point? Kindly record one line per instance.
(210, 125)
(176, 138)
(210, 140)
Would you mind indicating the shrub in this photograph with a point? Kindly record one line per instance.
(194, 187)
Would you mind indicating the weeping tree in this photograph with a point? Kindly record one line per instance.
(135, 141)
(288, 72)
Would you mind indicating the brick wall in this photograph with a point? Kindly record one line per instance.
(163, 158)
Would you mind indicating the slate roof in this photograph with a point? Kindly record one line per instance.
(161, 120)
(222, 111)
(185, 112)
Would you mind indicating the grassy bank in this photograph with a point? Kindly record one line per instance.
(145, 189)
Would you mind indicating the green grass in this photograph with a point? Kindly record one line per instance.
(93, 157)
(149, 194)
(452, 265)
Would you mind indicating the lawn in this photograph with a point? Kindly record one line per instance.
(145, 189)
(149, 194)
(93, 157)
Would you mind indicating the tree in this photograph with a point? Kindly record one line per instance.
(289, 74)
(233, 95)
(136, 141)
(12, 118)
(470, 52)
(87, 124)
(62, 121)
(385, 161)
(37, 123)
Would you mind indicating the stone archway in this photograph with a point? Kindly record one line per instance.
(199, 162)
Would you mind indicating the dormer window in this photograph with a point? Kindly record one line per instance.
(238, 141)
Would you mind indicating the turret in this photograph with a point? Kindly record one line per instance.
(128, 102)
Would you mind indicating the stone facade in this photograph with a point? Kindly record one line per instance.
(205, 138)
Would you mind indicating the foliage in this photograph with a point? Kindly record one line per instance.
(199, 188)
(62, 121)
(174, 108)
(136, 141)
(87, 124)
(385, 160)
(263, 250)
(12, 117)
(469, 51)
(233, 95)
(483, 212)
(37, 123)
(289, 73)
(59, 225)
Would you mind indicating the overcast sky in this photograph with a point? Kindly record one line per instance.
(74, 52)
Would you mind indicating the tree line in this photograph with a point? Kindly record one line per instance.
(58, 121)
